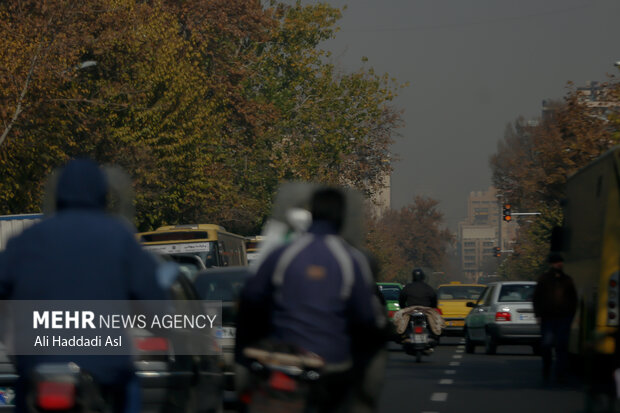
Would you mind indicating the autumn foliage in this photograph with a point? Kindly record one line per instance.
(208, 104)
(534, 160)
(408, 238)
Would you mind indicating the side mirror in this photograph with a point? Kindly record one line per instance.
(470, 304)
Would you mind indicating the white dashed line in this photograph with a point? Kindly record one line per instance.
(450, 371)
(457, 356)
(460, 351)
(460, 347)
(446, 381)
(439, 397)
(455, 363)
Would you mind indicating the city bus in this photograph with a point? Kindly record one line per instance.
(211, 243)
(590, 243)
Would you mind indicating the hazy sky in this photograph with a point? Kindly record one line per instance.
(473, 66)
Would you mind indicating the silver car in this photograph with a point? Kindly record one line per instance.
(504, 314)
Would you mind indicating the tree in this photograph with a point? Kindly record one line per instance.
(208, 104)
(533, 161)
(407, 238)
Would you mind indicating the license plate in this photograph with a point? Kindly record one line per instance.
(456, 323)
(526, 317)
(7, 396)
(225, 332)
(420, 338)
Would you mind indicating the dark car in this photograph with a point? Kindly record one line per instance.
(224, 284)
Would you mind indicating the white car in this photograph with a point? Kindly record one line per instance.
(504, 314)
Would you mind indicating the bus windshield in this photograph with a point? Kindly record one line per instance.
(205, 250)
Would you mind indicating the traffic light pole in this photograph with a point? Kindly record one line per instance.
(499, 228)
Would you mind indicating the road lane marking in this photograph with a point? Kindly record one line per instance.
(460, 347)
(446, 381)
(457, 356)
(439, 397)
(455, 363)
(450, 371)
(460, 351)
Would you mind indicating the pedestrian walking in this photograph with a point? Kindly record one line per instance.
(555, 304)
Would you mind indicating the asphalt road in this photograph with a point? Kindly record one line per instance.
(451, 381)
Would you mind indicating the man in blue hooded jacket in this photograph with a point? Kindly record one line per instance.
(80, 253)
(315, 293)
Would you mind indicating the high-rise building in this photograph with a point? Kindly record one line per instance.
(381, 199)
(482, 231)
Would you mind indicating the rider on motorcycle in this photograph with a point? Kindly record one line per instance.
(81, 252)
(313, 293)
(418, 292)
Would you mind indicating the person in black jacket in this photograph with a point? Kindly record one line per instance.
(555, 304)
(418, 292)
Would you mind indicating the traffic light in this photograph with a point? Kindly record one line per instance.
(507, 213)
(498, 251)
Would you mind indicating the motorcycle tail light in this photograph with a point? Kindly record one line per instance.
(282, 382)
(439, 311)
(55, 395)
(246, 398)
(151, 343)
(502, 316)
(418, 329)
(391, 313)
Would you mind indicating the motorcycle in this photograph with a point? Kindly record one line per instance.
(65, 387)
(418, 340)
(281, 381)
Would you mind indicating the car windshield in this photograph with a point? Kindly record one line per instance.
(459, 292)
(390, 294)
(516, 293)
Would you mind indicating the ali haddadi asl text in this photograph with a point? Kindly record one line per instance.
(75, 341)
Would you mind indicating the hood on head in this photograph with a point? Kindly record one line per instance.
(82, 185)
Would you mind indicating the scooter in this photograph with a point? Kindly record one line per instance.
(64, 387)
(418, 339)
(282, 382)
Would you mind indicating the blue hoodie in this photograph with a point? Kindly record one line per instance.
(318, 290)
(79, 253)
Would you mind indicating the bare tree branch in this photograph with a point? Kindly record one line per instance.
(19, 108)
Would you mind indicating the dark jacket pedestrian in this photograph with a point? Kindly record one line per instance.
(79, 253)
(418, 292)
(555, 304)
(555, 295)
